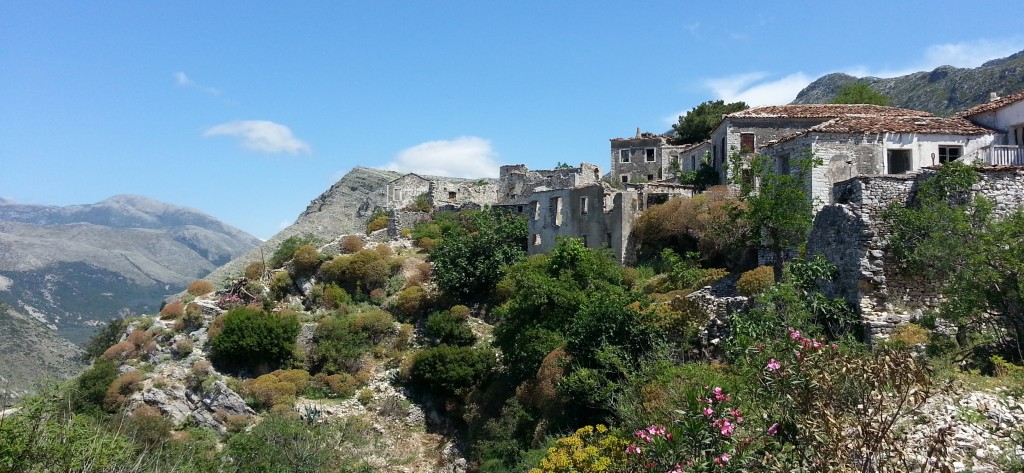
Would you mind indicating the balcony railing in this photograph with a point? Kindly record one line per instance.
(1002, 155)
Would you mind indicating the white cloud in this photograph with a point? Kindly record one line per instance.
(183, 80)
(466, 156)
(754, 89)
(262, 136)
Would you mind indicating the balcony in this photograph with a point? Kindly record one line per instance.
(1002, 155)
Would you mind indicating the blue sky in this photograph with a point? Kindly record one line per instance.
(249, 110)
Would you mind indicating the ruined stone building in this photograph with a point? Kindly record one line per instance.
(852, 146)
(648, 157)
(596, 213)
(441, 192)
(851, 234)
(517, 183)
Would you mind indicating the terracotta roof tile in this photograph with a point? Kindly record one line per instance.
(891, 124)
(824, 111)
(993, 105)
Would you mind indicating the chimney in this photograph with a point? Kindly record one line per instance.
(992, 96)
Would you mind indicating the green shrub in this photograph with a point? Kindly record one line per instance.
(306, 259)
(255, 270)
(445, 370)
(338, 346)
(910, 335)
(254, 339)
(756, 281)
(450, 329)
(410, 303)
(268, 391)
(376, 325)
(287, 249)
(340, 385)
(377, 223)
(335, 297)
(199, 288)
(91, 387)
(285, 443)
(281, 285)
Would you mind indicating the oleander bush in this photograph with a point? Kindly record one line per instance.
(254, 339)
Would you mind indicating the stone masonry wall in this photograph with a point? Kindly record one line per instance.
(852, 235)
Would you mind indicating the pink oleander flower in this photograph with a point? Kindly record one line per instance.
(656, 430)
(725, 457)
(793, 334)
(708, 411)
(643, 435)
(633, 449)
(668, 436)
(816, 344)
(722, 459)
(774, 429)
(773, 365)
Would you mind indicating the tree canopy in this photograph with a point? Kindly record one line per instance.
(860, 92)
(697, 124)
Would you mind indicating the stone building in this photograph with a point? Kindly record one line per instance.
(747, 131)
(403, 191)
(516, 183)
(1006, 115)
(454, 194)
(596, 213)
(648, 157)
(851, 234)
(853, 146)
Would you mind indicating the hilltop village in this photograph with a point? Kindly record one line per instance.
(870, 155)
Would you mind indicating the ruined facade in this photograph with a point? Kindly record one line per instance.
(599, 215)
(403, 191)
(517, 183)
(851, 234)
(441, 192)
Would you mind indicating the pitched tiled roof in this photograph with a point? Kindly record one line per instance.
(884, 124)
(824, 111)
(993, 105)
(692, 146)
(914, 124)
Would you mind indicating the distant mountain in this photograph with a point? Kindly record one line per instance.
(73, 267)
(943, 91)
(342, 209)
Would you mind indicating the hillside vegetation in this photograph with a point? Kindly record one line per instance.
(449, 350)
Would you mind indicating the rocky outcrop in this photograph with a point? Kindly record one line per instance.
(342, 209)
(942, 91)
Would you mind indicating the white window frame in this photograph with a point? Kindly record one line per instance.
(624, 155)
(650, 155)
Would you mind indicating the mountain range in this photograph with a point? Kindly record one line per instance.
(943, 91)
(73, 267)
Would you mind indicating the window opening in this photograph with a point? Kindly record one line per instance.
(899, 161)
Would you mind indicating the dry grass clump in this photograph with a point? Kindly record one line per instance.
(199, 288)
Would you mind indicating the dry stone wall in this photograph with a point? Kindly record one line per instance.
(852, 234)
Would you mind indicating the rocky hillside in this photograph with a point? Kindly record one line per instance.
(340, 210)
(73, 267)
(943, 91)
(28, 348)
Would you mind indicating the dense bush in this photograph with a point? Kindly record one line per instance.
(120, 389)
(255, 270)
(756, 281)
(377, 223)
(375, 325)
(173, 310)
(281, 285)
(199, 288)
(91, 387)
(286, 250)
(275, 389)
(351, 244)
(306, 259)
(335, 297)
(341, 385)
(282, 443)
(338, 346)
(450, 329)
(410, 303)
(254, 339)
(709, 223)
(468, 262)
(445, 370)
